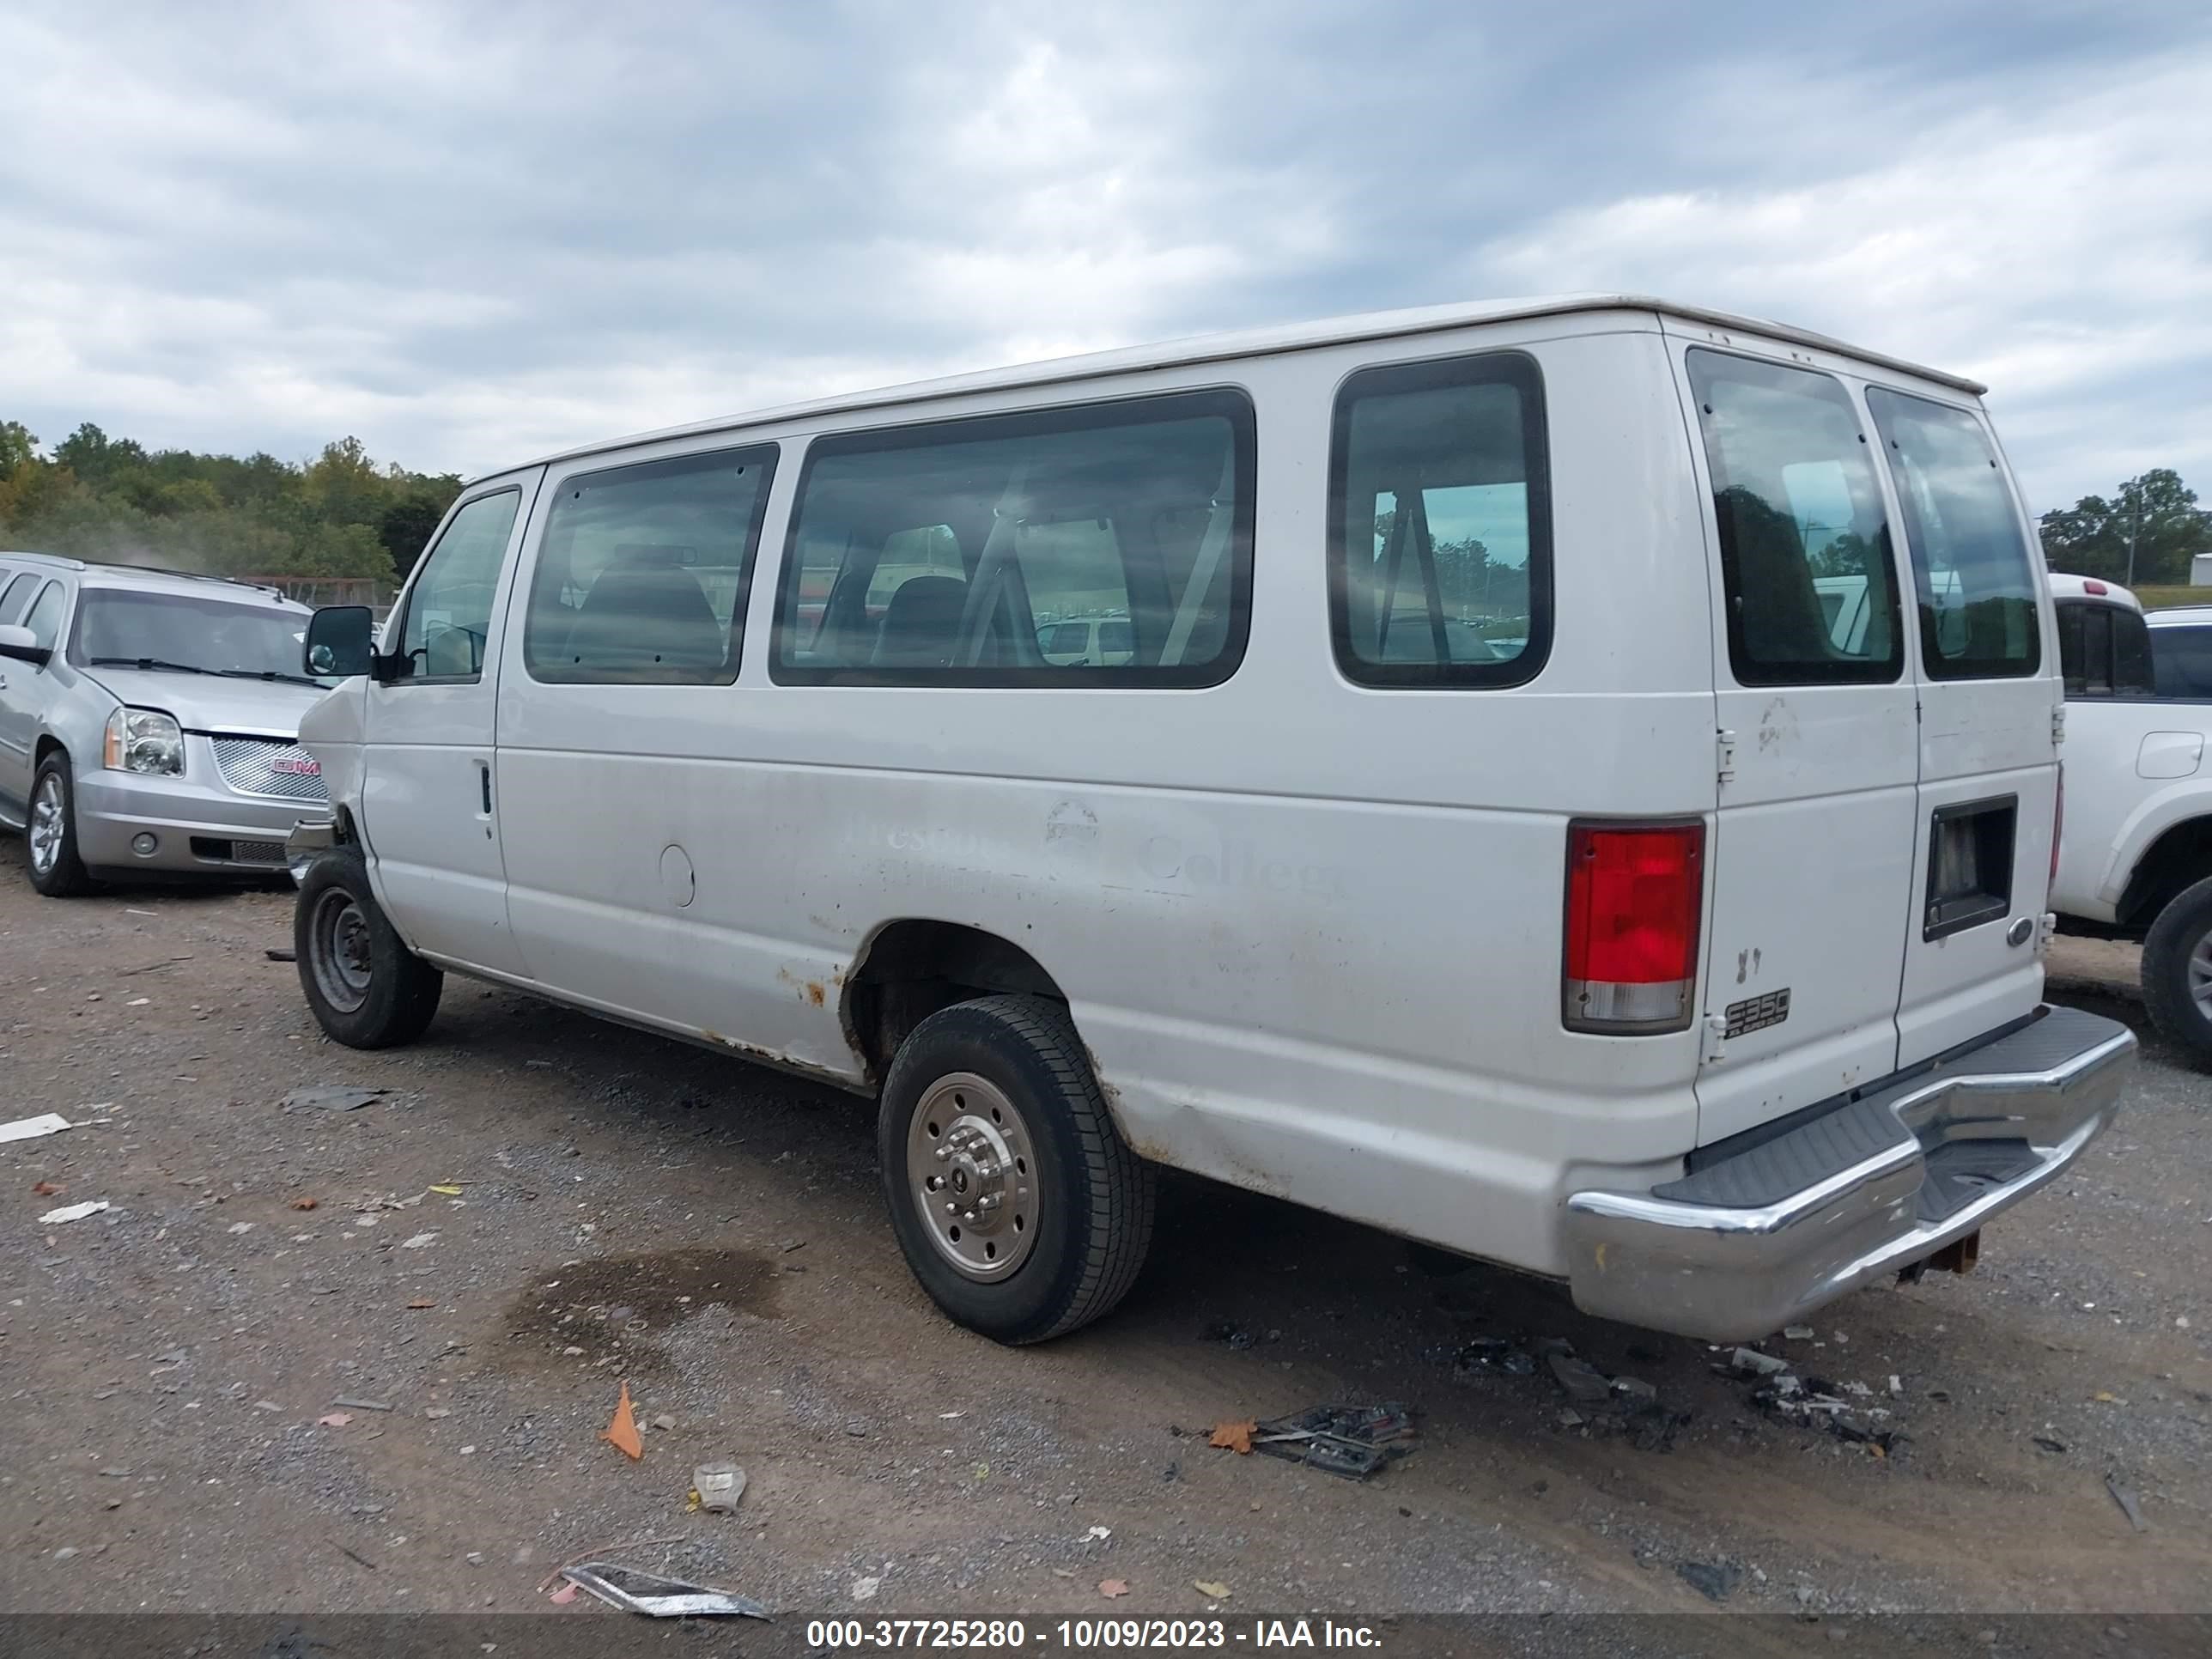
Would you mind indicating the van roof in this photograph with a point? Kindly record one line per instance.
(1261, 342)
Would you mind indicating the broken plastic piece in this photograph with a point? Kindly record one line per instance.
(72, 1212)
(1712, 1580)
(1583, 1381)
(2125, 1497)
(29, 1128)
(1749, 1362)
(337, 1098)
(1353, 1441)
(622, 1434)
(656, 1597)
(1233, 1436)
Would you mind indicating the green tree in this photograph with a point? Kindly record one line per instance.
(2156, 511)
(18, 449)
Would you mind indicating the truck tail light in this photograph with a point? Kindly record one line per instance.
(1635, 893)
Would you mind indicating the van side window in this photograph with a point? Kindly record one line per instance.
(1970, 549)
(17, 598)
(448, 618)
(1805, 561)
(642, 571)
(1439, 524)
(2104, 650)
(964, 552)
(2183, 659)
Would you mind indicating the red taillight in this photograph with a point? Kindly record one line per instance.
(2091, 586)
(1635, 893)
(2058, 823)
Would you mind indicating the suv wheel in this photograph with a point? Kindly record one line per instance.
(2177, 971)
(367, 988)
(1019, 1207)
(51, 831)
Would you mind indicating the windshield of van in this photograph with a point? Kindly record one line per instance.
(1970, 550)
(186, 634)
(1812, 591)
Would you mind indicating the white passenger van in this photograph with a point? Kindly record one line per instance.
(1486, 832)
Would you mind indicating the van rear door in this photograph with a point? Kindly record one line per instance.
(1812, 865)
(1989, 688)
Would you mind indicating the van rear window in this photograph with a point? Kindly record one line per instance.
(1439, 534)
(1970, 550)
(1805, 559)
(1103, 544)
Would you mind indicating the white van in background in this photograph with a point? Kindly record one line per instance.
(1486, 832)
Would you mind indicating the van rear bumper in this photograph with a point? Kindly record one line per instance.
(1741, 1246)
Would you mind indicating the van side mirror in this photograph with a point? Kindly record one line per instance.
(23, 646)
(341, 641)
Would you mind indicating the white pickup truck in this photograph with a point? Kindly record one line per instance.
(2135, 859)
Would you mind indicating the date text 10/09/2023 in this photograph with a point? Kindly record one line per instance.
(1084, 1634)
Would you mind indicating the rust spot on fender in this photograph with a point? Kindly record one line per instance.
(815, 993)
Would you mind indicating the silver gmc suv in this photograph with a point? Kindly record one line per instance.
(149, 722)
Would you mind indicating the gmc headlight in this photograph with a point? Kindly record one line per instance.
(144, 740)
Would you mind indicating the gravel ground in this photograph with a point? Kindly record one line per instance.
(630, 1209)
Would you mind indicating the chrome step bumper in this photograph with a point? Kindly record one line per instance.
(1743, 1247)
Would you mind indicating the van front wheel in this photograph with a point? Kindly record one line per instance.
(1019, 1207)
(363, 985)
(2177, 971)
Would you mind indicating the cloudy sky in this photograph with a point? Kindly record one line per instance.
(471, 234)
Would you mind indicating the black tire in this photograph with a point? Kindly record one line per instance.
(367, 988)
(64, 876)
(1094, 1199)
(2182, 930)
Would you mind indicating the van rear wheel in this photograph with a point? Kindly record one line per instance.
(363, 985)
(1017, 1203)
(2177, 971)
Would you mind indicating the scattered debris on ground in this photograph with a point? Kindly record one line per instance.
(333, 1098)
(73, 1213)
(1353, 1441)
(279, 953)
(717, 1488)
(1714, 1580)
(30, 1128)
(657, 1597)
(1211, 1588)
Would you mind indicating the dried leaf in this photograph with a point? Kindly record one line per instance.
(305, 1203)
(1111, 1588)
(622, 1434)
(334, 1420)
(1212, 1588)
(422, 1302)
(46, 1190)
(1233, 1436)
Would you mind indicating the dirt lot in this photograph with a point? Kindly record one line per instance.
(630, 1208)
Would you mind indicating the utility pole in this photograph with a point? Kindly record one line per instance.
(2135, 519)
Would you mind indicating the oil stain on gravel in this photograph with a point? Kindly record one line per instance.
(619, 1307)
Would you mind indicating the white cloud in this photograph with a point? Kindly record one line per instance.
(471, 234)
(2050, 259)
